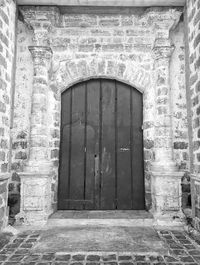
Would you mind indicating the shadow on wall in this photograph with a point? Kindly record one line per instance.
(19, 157)
(186, 195)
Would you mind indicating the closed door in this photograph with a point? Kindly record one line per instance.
(101, 150)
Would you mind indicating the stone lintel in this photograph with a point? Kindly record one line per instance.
(4, 176)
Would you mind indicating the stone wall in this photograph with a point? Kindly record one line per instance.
(7, 52)
(193, 16)
(22, 112)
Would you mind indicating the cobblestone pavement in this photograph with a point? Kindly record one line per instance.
(182, 251)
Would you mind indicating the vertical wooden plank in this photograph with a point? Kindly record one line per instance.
(116, 147)
(137, 155)
(92, 165)
(78, 148)
(108, 145)
(64, 151)
(123, 151)
(85, 145)
(99, 175)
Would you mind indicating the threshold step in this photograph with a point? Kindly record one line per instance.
(102, 218)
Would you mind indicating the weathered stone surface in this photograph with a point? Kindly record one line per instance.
(85, 46)
(7, 51)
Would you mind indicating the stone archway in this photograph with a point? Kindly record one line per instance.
(69, 73)
(53, 74)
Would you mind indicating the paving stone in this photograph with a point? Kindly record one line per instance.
(180, 236)
(185, 241)
(178, 252)
(109, 257)
(11, 263)
(123, 258)
(31, 240)
(194, 252)
(7, 251)
(175, 246)
(143, 263)
(18, 240)
(126, 263)
(93, 258)
(163, 232)
(22, 251)
(92, 263)
(32, 258)
(159, 263)
(189, 247)
(29, 263)
(22, 236)
(167, 236)
(76, 263)
(61, 263)
(197, 258)
(63, 257)
(187, 259)
(170, 259)
(44, 263)
(156, 259)
(110, 263)
(48, 256)
(3, 257)
(34, 235)
(78, 257)
(26, 245)
(12, 245)
(16, 257)
(140, 258)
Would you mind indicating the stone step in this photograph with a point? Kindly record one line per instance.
(101, 239)
(101, 218)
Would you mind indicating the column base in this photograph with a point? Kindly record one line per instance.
(167, 198)
(195, 192)
(35, 205)
(4, 211)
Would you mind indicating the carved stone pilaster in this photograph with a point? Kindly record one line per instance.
(166, 180)
(162, 52)
(36, 179)
(38, 157)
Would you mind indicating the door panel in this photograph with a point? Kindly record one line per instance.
(101, 151)
(77, 147)
(107, 152)
(123, 150)
(93, 92)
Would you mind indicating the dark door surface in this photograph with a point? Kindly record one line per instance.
(101, 150)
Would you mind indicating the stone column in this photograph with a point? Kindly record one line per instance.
(38, 157)
(36, 178)
(166, 180)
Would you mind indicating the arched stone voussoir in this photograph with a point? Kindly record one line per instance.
(71, 72)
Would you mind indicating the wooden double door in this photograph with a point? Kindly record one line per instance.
(101, 150)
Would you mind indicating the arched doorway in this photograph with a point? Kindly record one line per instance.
(101, 151)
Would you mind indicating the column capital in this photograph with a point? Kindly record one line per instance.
(41, 52)
(40, 23)
(162, 49)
